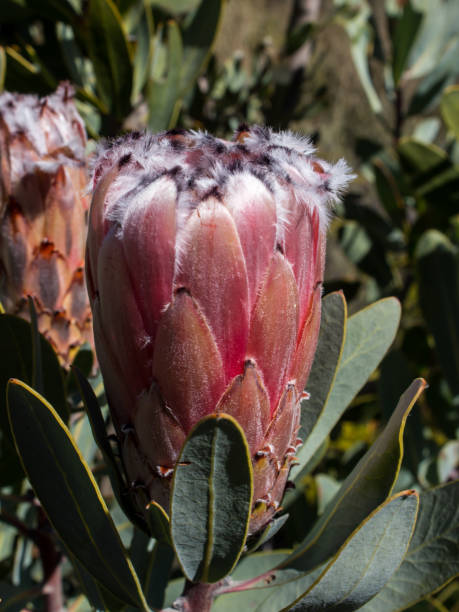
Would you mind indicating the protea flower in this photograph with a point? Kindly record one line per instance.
(43, 214)
(204, 267)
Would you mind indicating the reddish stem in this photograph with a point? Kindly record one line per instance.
(197, 597)
(51, 559)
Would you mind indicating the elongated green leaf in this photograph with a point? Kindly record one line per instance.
(450, 109)
(144, 51)
(419, 157)
(152, 561)
(163, 88)
(68, 492)
(432, 559)
(404, 38)
(198, 40)
(438, 270)
(157, 574)
(360, 34)
(323, 373)
(325, 365)
(82, 434)
(109, 51)
(211, 499)
(100, 436)
(369, 333)
(367, 486)
(16, 361)
(269, 532)
(360, 569)
(158, 522)
(99, 598)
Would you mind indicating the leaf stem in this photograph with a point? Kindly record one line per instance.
(197, 597)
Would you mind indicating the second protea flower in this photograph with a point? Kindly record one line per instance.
(43, 214)
(205, 262)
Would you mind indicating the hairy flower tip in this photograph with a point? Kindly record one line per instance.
(43, 214)
(214, 252)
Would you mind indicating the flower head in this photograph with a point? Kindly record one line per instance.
(205, 263)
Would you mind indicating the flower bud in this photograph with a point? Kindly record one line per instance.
(205, 263)
(43, 214)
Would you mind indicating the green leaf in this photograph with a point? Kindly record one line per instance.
(270, 531)
(158, 522)
(432, 559)
(211, 499)
(367, 486)
(198, 41)
(82, 434)
(450, 109)
(360, 34)
(153, 561)
(157, 575)
(438, 271)
(68, 492)
(100, 436)
(404, 38)
(369, 334)
(324, 368)
(163, 87)
(249, 568)
(144, 51)
(16, 361)
(109, 51)
(176, 7)
(99, 598)
(359, 570)
(323, 372)
(420, 157)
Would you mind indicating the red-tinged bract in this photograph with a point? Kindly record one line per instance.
(204, 263)
(43, 215)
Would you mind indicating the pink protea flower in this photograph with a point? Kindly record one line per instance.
(43, 213)
(204, 263)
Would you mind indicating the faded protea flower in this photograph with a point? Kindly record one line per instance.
(204, 264)
(43, 214)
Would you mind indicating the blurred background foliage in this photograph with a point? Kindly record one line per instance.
(372, 81)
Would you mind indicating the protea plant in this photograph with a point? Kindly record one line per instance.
(204, 266)
(43, 214)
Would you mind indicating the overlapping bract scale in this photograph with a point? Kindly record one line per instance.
(204, 263)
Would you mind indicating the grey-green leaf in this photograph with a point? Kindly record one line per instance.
(164, 85)
(99, 433)
(367, 486)
(68, 492)
(360, 569)
(432, 559)
(198, 41)
(325, 365)
(109, 51)
(450, 109)
(369, 334)
(404, 38)
(211, 499)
